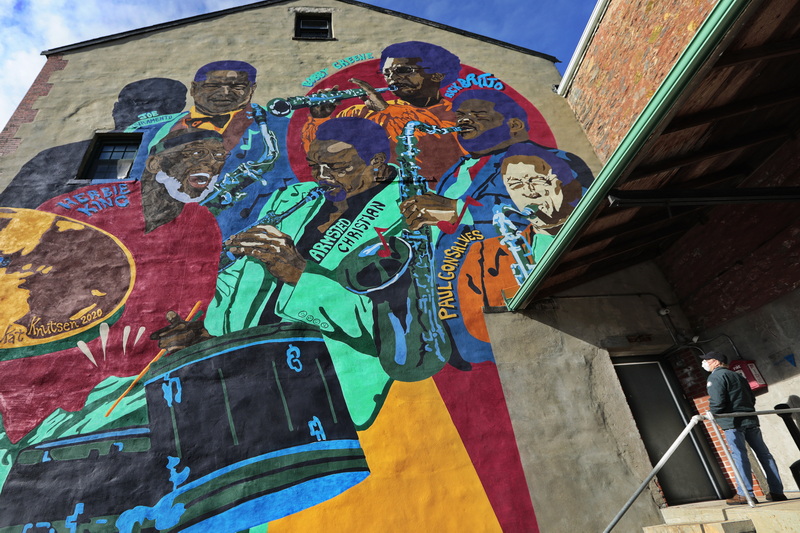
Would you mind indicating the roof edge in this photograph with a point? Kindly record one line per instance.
(266, 3)
(696, 54)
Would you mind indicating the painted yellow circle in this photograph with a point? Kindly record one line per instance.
(59, 277)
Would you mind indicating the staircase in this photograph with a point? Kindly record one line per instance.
(718, 517)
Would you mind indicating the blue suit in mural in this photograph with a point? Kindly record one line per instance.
(506, 199)
(257, 164)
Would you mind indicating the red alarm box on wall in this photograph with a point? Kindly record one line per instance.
(749, 370)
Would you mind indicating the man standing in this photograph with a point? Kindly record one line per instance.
(418, 71)
(729, 392)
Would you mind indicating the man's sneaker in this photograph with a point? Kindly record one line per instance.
(776, 497)
(739, 500)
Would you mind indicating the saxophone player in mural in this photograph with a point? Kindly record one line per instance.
(508, 197)
(257, 164)
(290, 270)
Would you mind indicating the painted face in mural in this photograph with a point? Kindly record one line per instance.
(153, 95)
(412, 80)
(223, 91)
(483, 129)
(190, 170)
(531, 183)
(336, 164)
(533, 186)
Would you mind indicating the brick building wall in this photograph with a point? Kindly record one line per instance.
(26, 111)
(756, 258)
(635, 46)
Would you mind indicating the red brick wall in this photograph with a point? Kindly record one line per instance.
(693, 382)
(25, 112)
(756, 254)
(637, 43)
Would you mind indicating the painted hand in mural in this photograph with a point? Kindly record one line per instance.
(428, 209)
(324, 109)
(373, 100)
(179, 334)
(273, 248)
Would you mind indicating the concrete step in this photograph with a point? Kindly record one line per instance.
(738, 526)
(717, 516)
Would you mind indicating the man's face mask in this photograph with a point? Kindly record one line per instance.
(705, 366)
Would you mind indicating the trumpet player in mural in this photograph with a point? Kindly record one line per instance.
(509, 197)
(416, 71)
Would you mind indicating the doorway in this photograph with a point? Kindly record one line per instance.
(661, 413)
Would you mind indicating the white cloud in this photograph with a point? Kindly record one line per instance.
(31, 26)
(20, 68)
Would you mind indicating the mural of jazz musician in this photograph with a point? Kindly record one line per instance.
(283, 324)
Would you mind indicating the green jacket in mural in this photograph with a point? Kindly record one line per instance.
(248, 295)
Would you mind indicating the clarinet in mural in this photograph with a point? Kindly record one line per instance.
(273, 219)
(229, 190)
(281, 107)
(514, 241)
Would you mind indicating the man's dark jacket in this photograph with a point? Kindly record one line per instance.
(729, 392)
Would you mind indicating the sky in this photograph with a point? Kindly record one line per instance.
(27, 27)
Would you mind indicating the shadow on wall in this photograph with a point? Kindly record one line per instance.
(52, 171)
(621, 321)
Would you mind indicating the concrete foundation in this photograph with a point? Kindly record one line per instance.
(577, 437)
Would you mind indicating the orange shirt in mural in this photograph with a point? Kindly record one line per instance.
(437, 152)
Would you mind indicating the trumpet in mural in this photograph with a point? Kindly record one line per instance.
(273, 219)
(514, 241)
(281, 107)
(229, 190)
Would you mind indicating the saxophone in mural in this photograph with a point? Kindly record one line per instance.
(282, 107)
(514, 241)
(272, 218)
(411, 339)
(229, 190)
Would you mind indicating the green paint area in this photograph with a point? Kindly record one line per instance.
(131, 412)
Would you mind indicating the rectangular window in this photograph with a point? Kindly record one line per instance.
(313, 26)
(110, 157)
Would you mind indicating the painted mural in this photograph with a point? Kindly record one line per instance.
(275, 323)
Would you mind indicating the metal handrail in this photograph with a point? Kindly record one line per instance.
(696, 419)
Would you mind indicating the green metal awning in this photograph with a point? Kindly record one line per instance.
(697, 54)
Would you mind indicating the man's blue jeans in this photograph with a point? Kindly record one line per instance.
(736, 441)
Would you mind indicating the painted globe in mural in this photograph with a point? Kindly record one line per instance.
(59, 280)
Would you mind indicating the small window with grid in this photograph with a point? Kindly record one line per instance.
(313, 26)
(111, 157)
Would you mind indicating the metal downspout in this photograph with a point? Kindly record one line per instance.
(696, 54)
